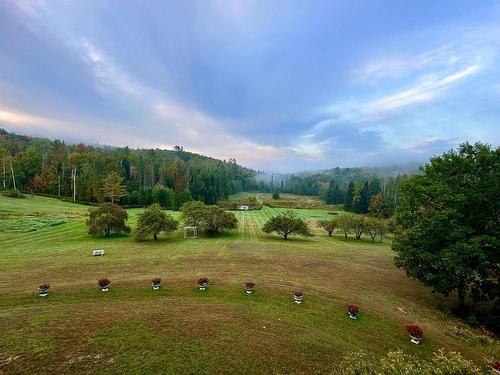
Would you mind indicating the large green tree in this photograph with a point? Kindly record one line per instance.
(287, 224)
(218, 219)
(209, 218)
(447, 230)
(153, 221)
(107, 219)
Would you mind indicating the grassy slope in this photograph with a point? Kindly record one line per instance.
(78, 329)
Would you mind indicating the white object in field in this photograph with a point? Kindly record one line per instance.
(243, 208)
(97, 252)
(194, 231)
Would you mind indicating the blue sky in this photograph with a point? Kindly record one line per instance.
(278, 85)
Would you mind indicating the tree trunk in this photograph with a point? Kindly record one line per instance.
(155, 236)
(4, 173)
(285, 235)
(345, 234)
(330, 233)
(13, 177)
(73, 172)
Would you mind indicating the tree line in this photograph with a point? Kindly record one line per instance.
(358, 192)
(78, 172)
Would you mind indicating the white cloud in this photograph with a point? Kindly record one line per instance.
(379, 108)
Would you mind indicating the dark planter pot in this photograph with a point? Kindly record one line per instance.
(43, 292)
(202, 286)
(249, 290)
(155, 286)
(105, 288)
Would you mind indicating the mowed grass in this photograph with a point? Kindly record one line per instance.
(132, 329)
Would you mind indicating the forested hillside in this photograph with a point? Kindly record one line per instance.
(170, 177)
(355, 188)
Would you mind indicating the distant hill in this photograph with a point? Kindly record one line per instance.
(173, 176)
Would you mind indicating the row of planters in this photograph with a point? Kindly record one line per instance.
(414, 331)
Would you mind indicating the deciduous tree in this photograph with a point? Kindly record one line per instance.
(153, 221)
(107, 219)
(329, 225)
(287, 224)
(113, 187)
(447, 229)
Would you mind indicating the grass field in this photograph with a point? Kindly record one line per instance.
(131, 329)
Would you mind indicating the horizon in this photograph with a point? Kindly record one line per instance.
(280, 87)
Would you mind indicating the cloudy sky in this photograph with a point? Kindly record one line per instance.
(278, 85)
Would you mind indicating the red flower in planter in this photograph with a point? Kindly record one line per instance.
(353, 309)
(202, 281)
(496, 365)
(414, 330)
(156, 281)
(44, 286)
(103, 282)
(249, 284)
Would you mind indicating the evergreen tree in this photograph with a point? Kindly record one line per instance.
(349, 197)
(276, 193)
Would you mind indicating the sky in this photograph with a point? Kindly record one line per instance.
(278, 85)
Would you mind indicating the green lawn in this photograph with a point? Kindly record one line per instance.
(132, 329)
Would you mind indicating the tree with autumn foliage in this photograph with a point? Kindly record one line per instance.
(113, 187)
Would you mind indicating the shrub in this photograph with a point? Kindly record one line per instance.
(397, 363)
(156, 281)
(298, 293)
(249, 284)
(44, 287)
(414, 330)
(103, 282)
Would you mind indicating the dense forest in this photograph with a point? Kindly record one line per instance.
(355, 188)
(170, 177)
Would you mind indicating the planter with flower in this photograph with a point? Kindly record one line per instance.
(104, 284)
(415, 332)
(155, 283)
(353, 311)
(495, 366)
(249, 285)
(43, 290)
(298, 297)
(202, 283)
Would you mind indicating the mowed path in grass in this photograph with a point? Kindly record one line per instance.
(132, 329)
